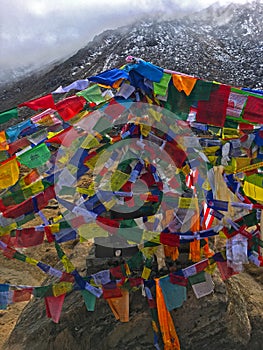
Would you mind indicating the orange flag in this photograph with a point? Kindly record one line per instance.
(185, 83)
(120, 306)
(170, 338)
(3, 143)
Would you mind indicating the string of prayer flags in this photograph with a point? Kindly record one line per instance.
(142, 157)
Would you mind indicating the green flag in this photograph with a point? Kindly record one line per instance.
(7, 115)
(92, 94)
(161, 87)
(35, 157)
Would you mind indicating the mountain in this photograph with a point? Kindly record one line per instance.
(219, 43)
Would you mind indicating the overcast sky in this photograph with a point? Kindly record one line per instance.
(39, 31)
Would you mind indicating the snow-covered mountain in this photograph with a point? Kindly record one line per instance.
(219, 43)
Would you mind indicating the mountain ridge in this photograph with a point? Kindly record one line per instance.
(202, 45)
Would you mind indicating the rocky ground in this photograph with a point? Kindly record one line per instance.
(230, 318)
(17, 272)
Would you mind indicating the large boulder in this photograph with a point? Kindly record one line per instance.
(229, 318)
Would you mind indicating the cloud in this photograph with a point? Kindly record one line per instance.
(36, 32)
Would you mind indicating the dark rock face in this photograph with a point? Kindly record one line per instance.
(220, 43)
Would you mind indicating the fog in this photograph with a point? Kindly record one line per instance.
(36, 32)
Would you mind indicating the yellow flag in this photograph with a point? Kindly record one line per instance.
(146, 273)
(90, 142)
(67, 264)
(54, 228)
(253, 191)
(61, 288)
(31, 261)
(145, 129)
(9, 173)
(118, 179)
(187, 203)
(92, 230)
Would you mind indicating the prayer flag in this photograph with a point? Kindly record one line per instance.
(161, 87)
(54, 307)
(89, 299)
(174, 294)
(184, 83)
(22, 294)
(120, 306)
(36, 156)
(3, 143)
(7, 115)
(70, 106)
(43, 102)
(214, 111)
(92, 94)
(170, 338)
(28, 237)
(254, 110)
(9, 173)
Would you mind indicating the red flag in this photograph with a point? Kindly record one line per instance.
(22, 295)
(54, 307)
(213, 112)
(170, 239)
(225, 271)
(70, 106)
(254, 110)
(114, 109)
(43, 102)
(177, 279)
(111, 292)
(17, 145)
(28, 237)
(177, 154)
(116, 272)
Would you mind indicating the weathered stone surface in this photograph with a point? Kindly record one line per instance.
(230, 318)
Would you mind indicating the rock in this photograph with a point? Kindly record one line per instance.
(229, 318)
